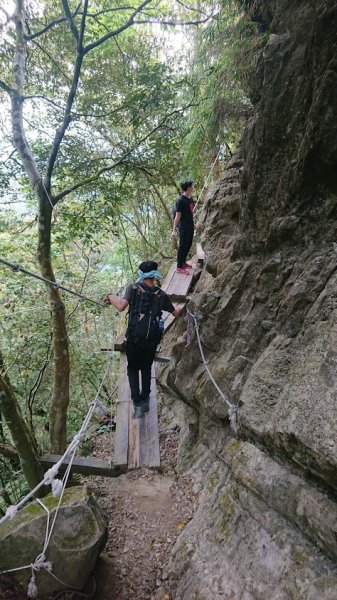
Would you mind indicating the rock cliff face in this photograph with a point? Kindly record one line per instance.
(266, 524)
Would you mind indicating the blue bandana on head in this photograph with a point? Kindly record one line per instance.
(150, 275)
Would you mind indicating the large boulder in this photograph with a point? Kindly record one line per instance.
(251, 537)
(79, 535)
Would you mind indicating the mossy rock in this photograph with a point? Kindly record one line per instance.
(226, 505)
(79, 535)
(212, 483)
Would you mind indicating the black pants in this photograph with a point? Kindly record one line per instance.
(186, 233)
(140, 357)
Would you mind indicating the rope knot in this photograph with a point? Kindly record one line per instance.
(32, 587)
(51, 474)
(10, 513)
(77, 438)
(233, 416)
(41, 563)
(56, 488)
(101, 409)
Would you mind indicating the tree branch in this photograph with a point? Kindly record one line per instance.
(101, 24)
(108, 10)
(161, 200)
(82, 27)
(6, 87)
(173, 23)
(19, 65)
(191, 7)
(33, 36)
(53, 61)
(50, 25)
(102, 115)
(41, 131)
(139, 230)
(42, 97)
(80, 184)
(126, 243)
(70, 20)
(59, 135)
(111, 34)
(33, 391)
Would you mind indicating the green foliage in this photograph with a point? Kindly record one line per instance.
(225, 52)
(143, 117)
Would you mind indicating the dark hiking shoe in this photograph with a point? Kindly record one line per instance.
(146, 405)
(138, 412)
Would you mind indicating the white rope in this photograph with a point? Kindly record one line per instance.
(49, 479)
(16, 268)
(52, 472)
(232, 408)
(110, 340)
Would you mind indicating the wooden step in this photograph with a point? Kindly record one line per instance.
(121, 348)
(144, 435)
(121, 438)
(200, 253)
(169, 318)
(84, 466)
(177, 285)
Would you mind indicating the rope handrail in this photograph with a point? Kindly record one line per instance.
(54, 284)
(58, 487)
(52, 472)
(232, 408)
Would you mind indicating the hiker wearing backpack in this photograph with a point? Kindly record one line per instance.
(183, 223)
(146, 301)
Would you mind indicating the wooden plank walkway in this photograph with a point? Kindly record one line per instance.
(200, 253)
(121, 438)
(136, 442)
(144, 435)
(169, 318)
(177, 285)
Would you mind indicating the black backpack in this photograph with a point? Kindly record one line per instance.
(144, 321)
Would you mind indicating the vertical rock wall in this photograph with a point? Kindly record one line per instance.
(266, 524)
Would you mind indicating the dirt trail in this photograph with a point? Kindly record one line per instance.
(146, 513)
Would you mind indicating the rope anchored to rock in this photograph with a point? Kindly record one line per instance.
(232, 408)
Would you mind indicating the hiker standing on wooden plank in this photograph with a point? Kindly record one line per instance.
(146, 302)
(183, 222)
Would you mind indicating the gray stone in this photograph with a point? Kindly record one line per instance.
(265, 526)
(79, 535)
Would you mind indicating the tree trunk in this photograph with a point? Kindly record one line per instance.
(60, 393)
(11, 411)
(163, 203)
